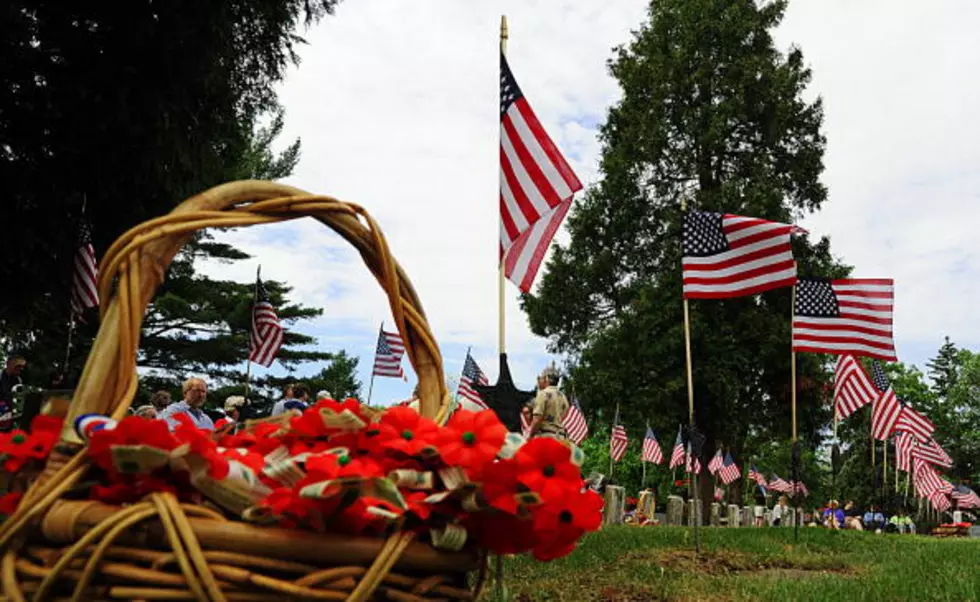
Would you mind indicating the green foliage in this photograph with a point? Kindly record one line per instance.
(942, 368)
(658, 563)
(712, 113)
(339, 378)
(113, 114)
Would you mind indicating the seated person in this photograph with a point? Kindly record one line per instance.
(852, 517)
(873, 519)
(833, 516)
(902, 522)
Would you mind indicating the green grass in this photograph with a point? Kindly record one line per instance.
(646, 564)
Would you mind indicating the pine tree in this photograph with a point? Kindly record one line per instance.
(942, 368)
(713, 113)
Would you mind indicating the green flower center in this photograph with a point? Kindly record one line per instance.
(372, 433)
(18, 438)
(548, 471)
(343, 460)
(565, 517)
(407, 435)
(469, 438)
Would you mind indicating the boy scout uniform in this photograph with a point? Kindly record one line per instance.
(551, 405)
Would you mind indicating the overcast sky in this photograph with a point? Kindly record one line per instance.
(397, 107)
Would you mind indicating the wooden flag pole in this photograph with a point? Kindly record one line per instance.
(792, 360)
(248, 358)
(690, 409)
(795, 451)
(371, 386)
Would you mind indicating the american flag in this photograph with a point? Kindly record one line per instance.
(388, 355)
(757, 476)
(904, 443)
(939, 501)
(965, 497)
(266, 336)
(716, 462)
(618, 441)
(778, 484)
(471, 375)
(732, 256)
(800, 488)
(651, 448)
(84, 290)
(853, 388)
(886, 409)
(677, 455)
(931, 452)
(574, 422)
(914, 422)
(536, 184)
(927, 480)
(844, 316)
(692, 463)
(729, 470)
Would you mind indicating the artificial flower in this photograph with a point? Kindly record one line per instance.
(406, 431)
(559, 524)
(131, 431)
(9, 502)
(471, 440)
(545, 466)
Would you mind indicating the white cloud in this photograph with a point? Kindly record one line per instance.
(396, 104)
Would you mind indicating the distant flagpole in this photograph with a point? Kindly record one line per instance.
(615, 422)
(795, 451)
(251, 317)
(501, 275)
(371, 386)
(643, 462)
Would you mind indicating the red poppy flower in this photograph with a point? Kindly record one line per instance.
(130, 431)
(14, 448)
(472, 439)
(249, 458)
(203, 446)
(9, 502)
(545, 466)
(500, 533)
(326, 467)
(502, 488)
(293, 510)
(406, 431)
(559, 524)
(311, 423)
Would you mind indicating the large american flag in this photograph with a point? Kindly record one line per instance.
(731, 255)
(904, 443)
(800, 488)
(266, 336)
(677, 454)
(914, 422)
(939, 501)
(757, 476)
(716, 462)
(965, 497)
(779, 484)
(729, 470)
(471, 375)
(931, 452)
(887, 407)
(844, 316)
(84, 290)
(853, 388)
(927, 480)
(574, 422)
(651, 448)
(536, 184)
(388, 355)
(618, 441)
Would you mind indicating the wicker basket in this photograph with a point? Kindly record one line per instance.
(159, 549)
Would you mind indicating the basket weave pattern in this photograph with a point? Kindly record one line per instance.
(159, 549)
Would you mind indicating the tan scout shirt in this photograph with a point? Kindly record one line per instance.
(551, 405)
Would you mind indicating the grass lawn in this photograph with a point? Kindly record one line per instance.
(646, 564)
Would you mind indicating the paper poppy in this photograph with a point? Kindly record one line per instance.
(131, 431)
(545, 466)
(404, 430)
(560, 524)
(471, 440)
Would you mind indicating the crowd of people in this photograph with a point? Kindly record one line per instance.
(851, 517)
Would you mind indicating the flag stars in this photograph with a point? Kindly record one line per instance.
(816, 298)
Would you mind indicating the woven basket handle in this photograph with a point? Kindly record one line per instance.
(137, 261)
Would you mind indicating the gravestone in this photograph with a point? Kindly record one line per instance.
(692, 515)
(675, 510)
(793, 513)
(647, 503)
(734, 516)
(715, 514)
(767, 517)
(612, 513)
(748, 516)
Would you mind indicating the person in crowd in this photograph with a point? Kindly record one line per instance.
(902, 522)
(833, 516)
(233, 411)
(287, 397)
(759, 511)
(852, 517)
(160, 400)
(301, 398)
(550, 407)
(10, 379)
(873, 519)
(195, 394)
(780, 511)
(148, 412)
(323, 394)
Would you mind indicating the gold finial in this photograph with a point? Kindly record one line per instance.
(503, 27)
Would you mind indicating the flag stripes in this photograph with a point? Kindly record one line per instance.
(388, 355)
(84, 289)
(471, 375)
(651, 448)
(853, 388)
(267, 333)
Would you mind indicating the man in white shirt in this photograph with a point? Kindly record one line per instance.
(195, 394)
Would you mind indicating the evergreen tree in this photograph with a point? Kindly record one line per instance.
(712, 113)
(942, 368)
